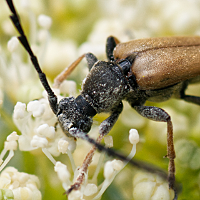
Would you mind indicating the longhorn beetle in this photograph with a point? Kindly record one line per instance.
(152, 69)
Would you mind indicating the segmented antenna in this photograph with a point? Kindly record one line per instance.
(111, 152)
(23, 39)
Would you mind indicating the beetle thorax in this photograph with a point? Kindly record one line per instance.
(105, 86)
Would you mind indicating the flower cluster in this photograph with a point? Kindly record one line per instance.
(155, 187)
(19, 185)
(36, 133)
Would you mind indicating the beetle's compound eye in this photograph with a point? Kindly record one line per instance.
(84, 124)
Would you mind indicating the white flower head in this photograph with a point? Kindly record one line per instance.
(37, 126)
(19, 110)
(63, 146)
(111, 167)
(45, 21)
(155, 187)
(13, 136)
(36, 107)
(13, 43)
(62, 172)
(68, 87)
(21, 184)
(133, 136)
(39, 142)
(90, 189)
(9, 145)
(75, 195)
(108, 141)
(46, 131)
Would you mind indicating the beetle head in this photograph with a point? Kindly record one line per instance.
(70, 115)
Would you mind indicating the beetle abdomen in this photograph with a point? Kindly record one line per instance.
(166, 66)
(161, 62)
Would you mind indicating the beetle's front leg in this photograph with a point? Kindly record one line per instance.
(110, 45)
(158, 114)
(108, 123)
(91, 59)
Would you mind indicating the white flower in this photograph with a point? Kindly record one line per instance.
(90, 189)
(19, 111)
(133, 136)
(9, 145)
(46, 131)
(44, 21)
(63, 146)
(108, 139)
(37, 125)
(75, 195)
(22, 185)
(39, 142)
(62, 172)
(13, 44)
(151, 187)
(13, 136)
(36, 107)
(112, 166)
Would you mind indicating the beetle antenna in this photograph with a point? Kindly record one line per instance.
(111, 152)
(23, 39)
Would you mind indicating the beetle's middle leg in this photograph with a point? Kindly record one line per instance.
(158, 114)
(109, 122)
(190, 98)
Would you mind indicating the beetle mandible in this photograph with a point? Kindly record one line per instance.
(154, 69)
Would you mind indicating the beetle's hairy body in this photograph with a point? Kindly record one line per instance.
(154, 68)
(105, 86)
(110, 95)
(158, 60)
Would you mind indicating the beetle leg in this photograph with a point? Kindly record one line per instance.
(108, 123)
(66, 72)
(91, 59)
(83, 169)
(158, 114)
(110, 45)
(191, 99)
(188, 98)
